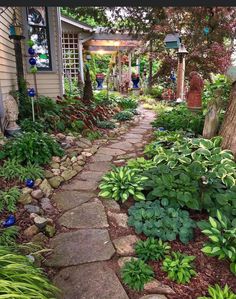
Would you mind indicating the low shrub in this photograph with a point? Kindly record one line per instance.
(8, 199)
(121, 183)
(106, 124)
(32, 147)
(217, 292)
(12, 169)
(180, 118)
(222, 238)
(128, 103)
(179, 267)
(136, 273)
(160, 219)
(124, 116)
(28, 125)
(151, 249)
(93, 135)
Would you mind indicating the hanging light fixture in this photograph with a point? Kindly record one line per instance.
(15, 29)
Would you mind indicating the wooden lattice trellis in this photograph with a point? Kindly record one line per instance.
(70, 54)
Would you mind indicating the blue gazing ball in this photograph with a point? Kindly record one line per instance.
(31, 51)
(29, 183)
(32, 61)
(161, 129)
(206, 30)
(11, 220)
(31, 92)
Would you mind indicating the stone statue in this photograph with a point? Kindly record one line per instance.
(194, 95)
(11, 115)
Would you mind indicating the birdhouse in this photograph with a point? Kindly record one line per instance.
(172, 41)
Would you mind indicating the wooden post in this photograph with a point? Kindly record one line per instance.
(19, 63)
(119, 68)
(150, 66)
(81, 61)
(180, 77)
(130, 70)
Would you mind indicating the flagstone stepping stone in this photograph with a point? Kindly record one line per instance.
(134, 135)
(135, 140)
(81, 185)
(88, 215)
(125, 245)
(99, 166)
(89, 281)
(79, 247)
(154, 296)
(121, 219)
(111, 204)
(66, 200)
(110, 151)
(101, 158)
(138, 130)
(156, 286)
(91, 175)
(123, 145)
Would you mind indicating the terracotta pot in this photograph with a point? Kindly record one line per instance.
(194, 100)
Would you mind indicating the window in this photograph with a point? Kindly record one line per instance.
(37, 18)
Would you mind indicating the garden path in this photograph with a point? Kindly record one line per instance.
(80, 251)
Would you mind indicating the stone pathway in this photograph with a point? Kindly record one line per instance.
(80, 251)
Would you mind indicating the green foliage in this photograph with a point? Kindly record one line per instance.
(140, 164)
(12, 169)
(180, 118)
(8, 236)
(136, 273)
(222, 238)
(179, 267)
(151, 249)
(156, 91)
(121, 183)
(77, 125)
(32, 147)
(217, 292)
(28, 125)
(124, 116)
(93, 135)
(219, 87)
(19, 278)
(128, 103)
(8, 199)
(160, 219)
(106, 124)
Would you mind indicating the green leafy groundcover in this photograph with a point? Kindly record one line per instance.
(19, 278)
(159, 219)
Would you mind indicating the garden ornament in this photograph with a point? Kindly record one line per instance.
(11, 115)
(10, 220)
(29, 183)
(194, 95)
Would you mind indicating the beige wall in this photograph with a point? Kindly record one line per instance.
(49, 83)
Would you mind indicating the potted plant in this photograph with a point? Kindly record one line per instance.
(99, 79)
(135, 80)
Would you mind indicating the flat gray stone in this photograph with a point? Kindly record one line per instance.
(89, 281)
(120, 219)
(125, 245)
(99, 166)
(88, 215)
(156, 287)
(110, 151)
(111, 204)
(101, 158)
(134, 136)
(79, 247)
(91, 175)
(66, 200)
(123, 145)
(81, 185)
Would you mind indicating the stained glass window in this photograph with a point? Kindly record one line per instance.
(39, 33)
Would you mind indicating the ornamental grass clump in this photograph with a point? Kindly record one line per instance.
(19, 278)
(121, 183)
(136, 273)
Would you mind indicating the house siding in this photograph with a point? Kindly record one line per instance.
(48, 83)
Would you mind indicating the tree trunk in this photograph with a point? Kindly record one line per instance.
(211, 123)
(228, 128)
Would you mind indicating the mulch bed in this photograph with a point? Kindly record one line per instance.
(209, 270)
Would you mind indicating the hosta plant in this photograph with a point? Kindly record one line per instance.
(8, 199)
(140, 164)
(121, 183)
(217, 292)
(222, 238)
(179, 267)
(151, 249)
(124, 116)
(160, 219)
(19, 278)
(136, 273)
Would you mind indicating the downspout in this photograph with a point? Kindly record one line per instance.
(60, 59)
